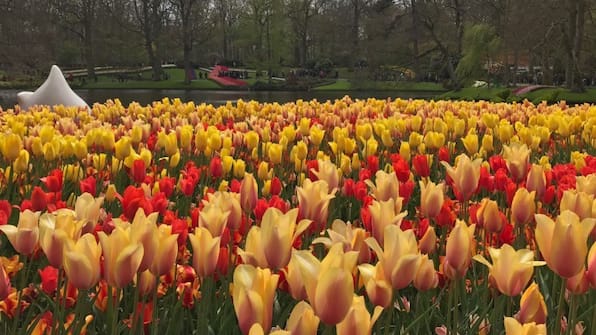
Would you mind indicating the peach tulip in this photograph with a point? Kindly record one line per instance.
(513, 327)
(293, 276)
(489, 216)
(578, 284)
(426, 276)
(591, 272)
(313, 200)
(586, 184)
(399, 257)
(517, 157)
(511, 270)
(578, 202)
(24, 237)
(228, 202)
(351, 238)
(54, 229)
(252, 293)
(205, 251)
(532, 307)
(564, 244)
(122, 256)
(536, 180)
(257, 329)
(143, 230)
(328, 283)
(87, 209)
(303, 320)
(81, 262)
(428, 242)
(383, 214)
(386, 186)
(328, 172)
(249, 193)
(460, 246)
(465, 175)
(378, 289)
(523, 206)
(166, 251)
(213, 218)
(358, 321)
(431, 198)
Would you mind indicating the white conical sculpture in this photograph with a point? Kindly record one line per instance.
(54, 91)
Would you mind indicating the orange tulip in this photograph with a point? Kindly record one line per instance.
(253, 292)
(205, 251)
(431, 198)
(399, 257)
(465, 175)
(564, 244)
(358, 321)
(122, 256)
(511, 270)
(314, 199)
(24, 237)
(4, 283)
(513, 327)
(523, 206)
(328, 283)
(460, 245)
(81, 261)
(532, 307)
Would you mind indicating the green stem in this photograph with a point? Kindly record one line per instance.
(572, 314)
(23, 280)
(456, 306)
(135, 310)
(388, 320)
(557, 330)
(154, 317)
(593, 324)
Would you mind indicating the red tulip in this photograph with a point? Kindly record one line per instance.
(49, 279)
(420, 164)
(138, 171)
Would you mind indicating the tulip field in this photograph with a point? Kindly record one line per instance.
(344, 217)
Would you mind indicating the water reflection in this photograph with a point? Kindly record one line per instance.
(144, 97)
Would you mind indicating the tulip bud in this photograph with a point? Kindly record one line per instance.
(532, 306)
(523, 206)
(248, 193)
(459, 250)
(428, 242)
(489, 216)
(431, 199)
(205, 251)
(303, 320)
(358, 321)
(536, 180)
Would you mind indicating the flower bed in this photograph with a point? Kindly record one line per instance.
(347, 217)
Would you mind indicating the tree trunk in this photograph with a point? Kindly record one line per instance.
(573, 42)
(355, 28)
(89, 62)
(187, 64)
(459, 26)
(415, 37)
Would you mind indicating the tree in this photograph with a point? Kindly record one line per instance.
(480, 44)
(573, 33)
(192, 16)
(149, 15)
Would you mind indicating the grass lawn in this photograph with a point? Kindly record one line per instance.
(338, 85)
(175, 81)
(364, 85)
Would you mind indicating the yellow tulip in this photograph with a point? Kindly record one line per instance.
(328, 283)
(358, 321)
(303, 320)
(404, 150)
(470, 142)
(37, 146)
(122, 256)
(24, 237)
(459, 251)
(532, 307)
(21, 164)
(564, 244)
(11, 146)
(252, 293)
(123, 148)
(487, 143)
(81, 262)
(239, 168)
(511, 270)
(316, 135)
(399, 256)
(513, 327)
(275, 152)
